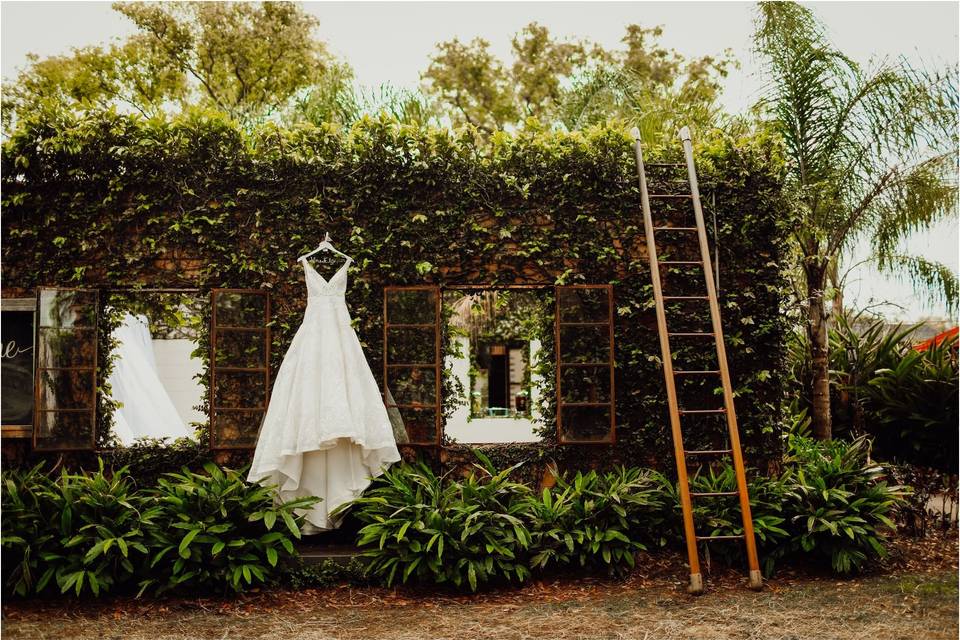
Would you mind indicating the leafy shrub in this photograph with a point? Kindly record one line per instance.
(84, 531)
(720, 516)
(458, 532)
(838, 504)
(913, 406)
(218, 531)
(907, 400)
(595, 518)
(26, 512)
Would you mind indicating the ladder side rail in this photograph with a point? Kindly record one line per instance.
(696, 580)
(738, 463)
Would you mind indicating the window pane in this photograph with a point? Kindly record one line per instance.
(235, 429)
(411, 306)
(66, 389)
(412, 385)
(585, 384)
(240, 390)
(420, 425)
(241, 309)
(65, 430)
(590, 424)
(66, 348)
(410, 345)
(245, 349)
(68, 308)
(585, 344)
(583, 305)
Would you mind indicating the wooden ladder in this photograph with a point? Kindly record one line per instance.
(670, 374)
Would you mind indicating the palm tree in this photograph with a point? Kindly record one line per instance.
(871, 155)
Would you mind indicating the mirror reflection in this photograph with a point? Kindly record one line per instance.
(497, 350)
(154, 379)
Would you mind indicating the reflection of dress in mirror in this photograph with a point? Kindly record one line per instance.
(326, 432)
(146, 409)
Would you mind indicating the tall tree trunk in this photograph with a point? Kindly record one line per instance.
(819, 352)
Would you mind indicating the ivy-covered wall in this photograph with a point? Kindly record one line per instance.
(118, 200)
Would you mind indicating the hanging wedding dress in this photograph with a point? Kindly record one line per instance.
(326, 432)
(146, 409)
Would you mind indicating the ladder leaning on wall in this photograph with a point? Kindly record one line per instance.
(678, 412)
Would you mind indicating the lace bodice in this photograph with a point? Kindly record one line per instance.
(318, 286)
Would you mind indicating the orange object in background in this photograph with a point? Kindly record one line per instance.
(937, 339)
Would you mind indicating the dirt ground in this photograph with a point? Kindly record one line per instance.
(913, 595)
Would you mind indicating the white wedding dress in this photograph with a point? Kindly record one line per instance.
(146, 410)
(326, 432)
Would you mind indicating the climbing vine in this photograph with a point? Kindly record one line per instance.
(114, 200)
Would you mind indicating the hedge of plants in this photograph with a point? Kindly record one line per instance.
(831, 505)
(92, 533)
(908, 401)
(108, 200)
(89, 534)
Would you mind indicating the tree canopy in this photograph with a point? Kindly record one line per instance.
(244, 59)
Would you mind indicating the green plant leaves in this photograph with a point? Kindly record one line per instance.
(189, 532)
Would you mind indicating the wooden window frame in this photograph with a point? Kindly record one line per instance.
(437, 360)
(38, 413)
(265, 369)
(610, 364)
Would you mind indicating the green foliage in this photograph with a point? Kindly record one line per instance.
(575, 83)
(242, 59)
(838, 504)
(26, 510)
(85, 533)
(464, 532)
(915, 405)
(90, 533)
(871, 154)
(830, 503)
(221, 532)
(596, 519)
(880, 385)
(720, 516)
(538, 207)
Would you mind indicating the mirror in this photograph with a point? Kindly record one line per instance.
(499, 341)
(156, 365)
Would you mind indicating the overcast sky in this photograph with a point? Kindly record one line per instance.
(390, 42)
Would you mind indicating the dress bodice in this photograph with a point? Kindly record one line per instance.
(319, 287)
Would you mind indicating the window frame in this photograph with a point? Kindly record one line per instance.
(437, 365)
(265, 369)
(610, 364)
(38, 413)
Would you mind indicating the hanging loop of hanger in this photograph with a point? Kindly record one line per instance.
(325, 245)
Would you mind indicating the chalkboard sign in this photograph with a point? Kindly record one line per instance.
(16, 363)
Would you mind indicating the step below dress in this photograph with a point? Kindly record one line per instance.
(326, 431)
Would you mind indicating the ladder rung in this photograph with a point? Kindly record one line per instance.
(692, 372)
(674, 228)
(684, 411)
(664, 164)
(662, 196)
(713, 494)
(708, 538)
(680, 261)
(708, 452)
(686, 297)
(691, 333)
